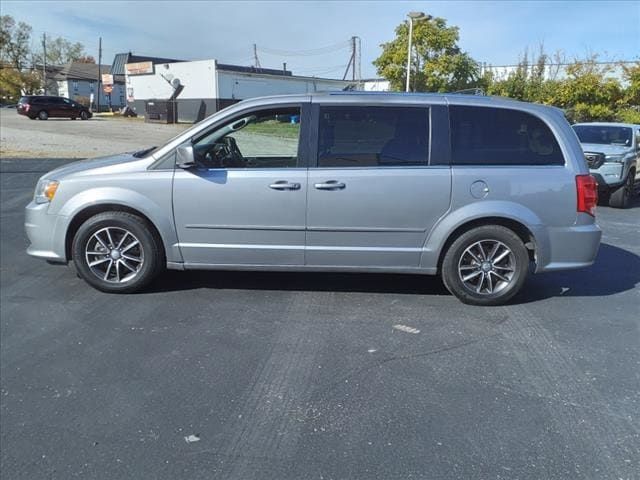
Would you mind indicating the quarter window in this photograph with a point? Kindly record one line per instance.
(500, 136)
(261, 139)
(373, 136)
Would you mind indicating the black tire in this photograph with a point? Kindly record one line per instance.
(621, 197)
(43, 115)
(149, 249)
(72, 118)
(515, 270)
(84, 115)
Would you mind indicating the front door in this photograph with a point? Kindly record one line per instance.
(375, 193)
(245, 202)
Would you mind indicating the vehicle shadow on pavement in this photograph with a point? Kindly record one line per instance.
(615, 270)
(300, 281)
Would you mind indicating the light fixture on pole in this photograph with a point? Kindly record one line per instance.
(417, 16)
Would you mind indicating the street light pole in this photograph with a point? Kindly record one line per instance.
(413, 16)
(409, 53)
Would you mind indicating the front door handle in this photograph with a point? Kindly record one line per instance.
(284, 185)
(330, 185)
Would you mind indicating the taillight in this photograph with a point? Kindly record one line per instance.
(587, 189)
(26, 107)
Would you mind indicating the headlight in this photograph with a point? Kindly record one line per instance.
(614, 158)
(45, 190)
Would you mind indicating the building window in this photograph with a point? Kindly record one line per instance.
(92, 85)
(75, 84)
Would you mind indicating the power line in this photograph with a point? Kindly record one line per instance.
(310, 52)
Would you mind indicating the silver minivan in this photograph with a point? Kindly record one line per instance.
(479, 190)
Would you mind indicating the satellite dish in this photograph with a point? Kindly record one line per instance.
(175, 82)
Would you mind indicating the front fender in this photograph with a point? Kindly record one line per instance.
(502, 209)
(158, 215)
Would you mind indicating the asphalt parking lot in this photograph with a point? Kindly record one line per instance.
(316, 376)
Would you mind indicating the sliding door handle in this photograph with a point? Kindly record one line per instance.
(284, 185)
(330, 185)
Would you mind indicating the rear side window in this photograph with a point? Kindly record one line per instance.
(500, 136)
(373, 136)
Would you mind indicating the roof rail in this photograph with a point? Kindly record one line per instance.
(470, 91)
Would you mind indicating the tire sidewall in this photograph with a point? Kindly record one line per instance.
(621, 198)
(83, 115)
(489, 232)
(138, 228)
(43, 115)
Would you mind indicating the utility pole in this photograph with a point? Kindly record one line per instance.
(255, 56)
(99, 72)
(44, 63)
(352, 61)
(353, 55)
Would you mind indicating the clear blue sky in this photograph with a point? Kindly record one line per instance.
(495, 32)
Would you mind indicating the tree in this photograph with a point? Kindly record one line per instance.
(629, 110)
(437, 65)
(14, 42)
(61, 51)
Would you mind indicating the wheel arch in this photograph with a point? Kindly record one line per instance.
(519, 228)
(83, 215)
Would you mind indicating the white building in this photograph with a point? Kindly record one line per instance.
(207, 86)
(376, 85)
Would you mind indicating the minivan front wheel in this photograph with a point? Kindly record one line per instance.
(84, 115)
(116, 252)
(487, 265)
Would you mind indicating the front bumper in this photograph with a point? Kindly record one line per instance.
(46, 233)
(609, 175)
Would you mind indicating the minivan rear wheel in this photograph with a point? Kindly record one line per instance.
(117, 252)
(487, 265)
(43, 115)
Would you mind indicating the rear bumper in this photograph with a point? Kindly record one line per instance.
(46, 233)
(568, 247)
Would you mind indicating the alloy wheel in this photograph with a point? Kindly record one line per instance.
(487, 267)
(114, 254)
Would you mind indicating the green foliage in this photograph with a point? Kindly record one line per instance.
(586, 90)
(61, 51)
(14, 42)
(16, 56)
(437, 63)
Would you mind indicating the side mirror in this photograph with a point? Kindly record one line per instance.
(184, 157)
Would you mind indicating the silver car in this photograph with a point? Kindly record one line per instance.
(479, 190)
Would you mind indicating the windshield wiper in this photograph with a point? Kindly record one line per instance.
(143, 153)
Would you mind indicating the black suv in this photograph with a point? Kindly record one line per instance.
(43, 107)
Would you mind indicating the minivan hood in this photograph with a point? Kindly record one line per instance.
(90, 164)
(606, 149)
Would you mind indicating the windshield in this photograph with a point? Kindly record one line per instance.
(604, 135)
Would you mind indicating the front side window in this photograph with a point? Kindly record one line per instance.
(354, 136)
(261, 139)
(501, 136)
